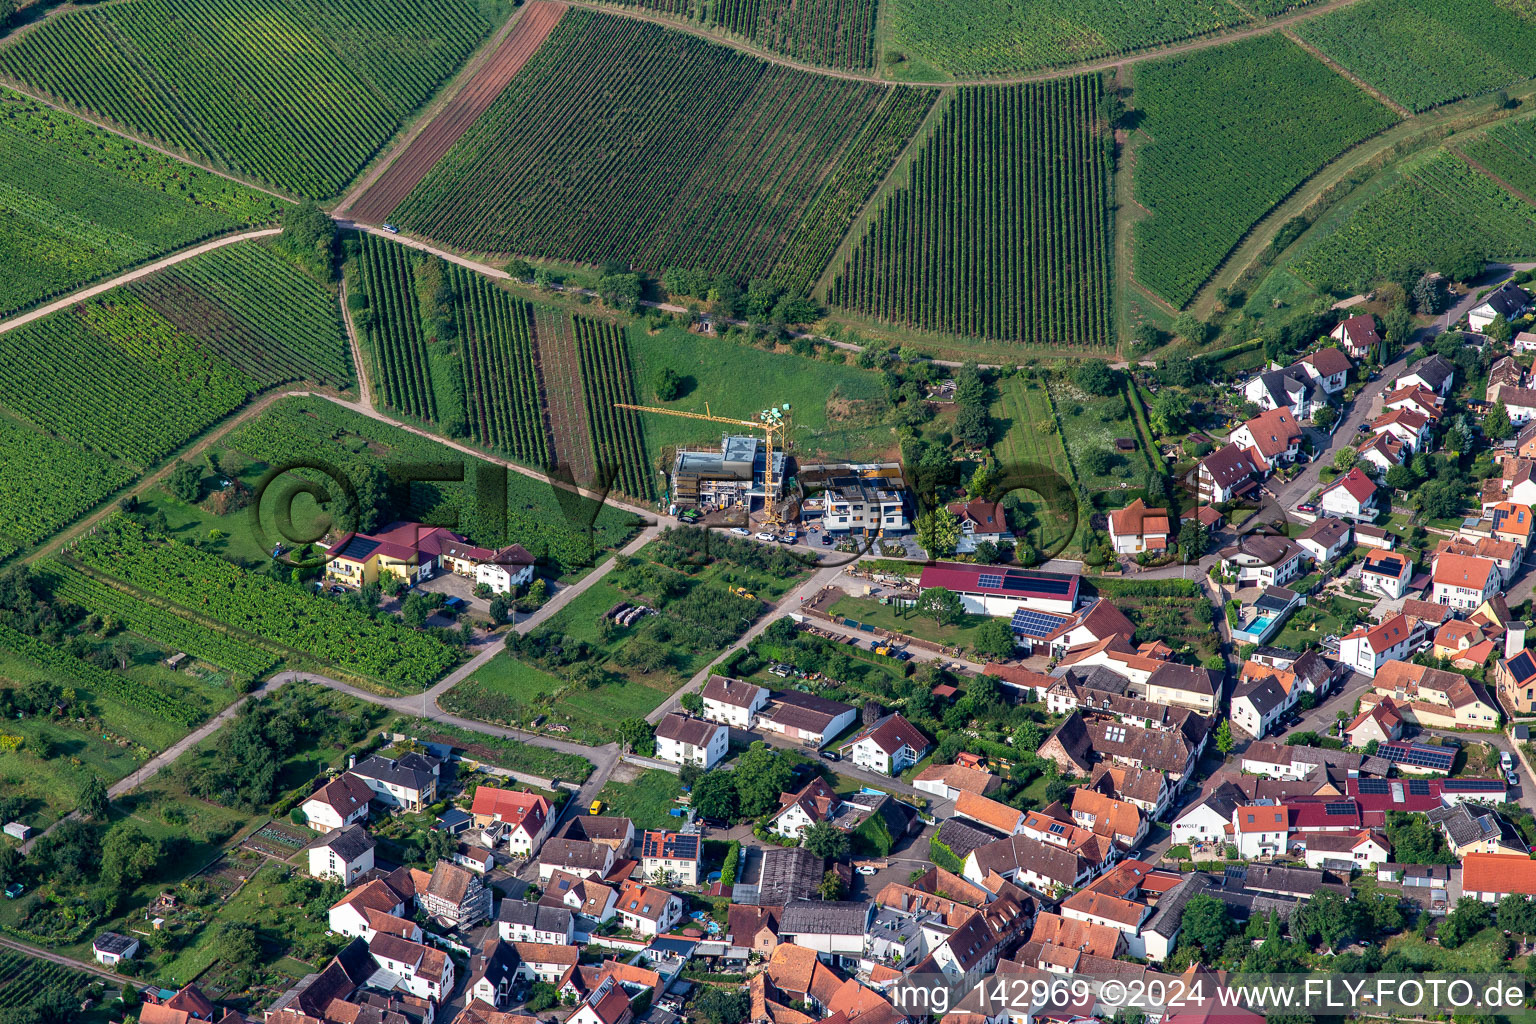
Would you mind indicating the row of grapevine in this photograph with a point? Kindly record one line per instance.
(622, 140)
(159, 624)
(1003, 231)
(110, 685)
(502, 383)
(832, 33)
(394, 329)
(1235, 129)
(608, 378)
(295, 94)
(257, 311)
(24, 978)
(285, 614)
(47, 482)
(1508, 150)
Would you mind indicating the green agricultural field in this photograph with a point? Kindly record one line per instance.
(79, 203)
(967, 38)
(1233, 129)
(47, 482)
(509, 692)
(1508, 150)
(296, 95)
(1426, 52)
(835, 33)
(698, 156)
(837, 408)
(1003, 232)
(25, 978)
(608, 381)
(1022, 414)
(1407, 220)
(551, 523)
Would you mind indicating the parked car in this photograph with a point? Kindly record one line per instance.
(739, 530)
(1513, 778)
(865, 869)
(831, 755)
(1505, 761)
(764, 535)
(391, 229)
(1306, 508)
(826, 540)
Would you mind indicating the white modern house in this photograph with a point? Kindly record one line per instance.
(890, 746)
(683, 739)
(732, 701)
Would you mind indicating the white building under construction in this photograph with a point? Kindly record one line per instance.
(733, 476)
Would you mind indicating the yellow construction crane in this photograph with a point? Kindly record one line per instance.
(772, 421)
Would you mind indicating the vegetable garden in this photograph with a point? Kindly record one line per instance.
(1426, 52)
(1234, 130)
(834, 33)
(1003, 230)
(283, 613)
(78, 203)
(256, 311)
(623, 140)
(298, 94)
(995, 37)
(618, 437)
(1435, 198)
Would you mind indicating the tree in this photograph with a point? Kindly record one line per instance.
(541, 996)
(237, 943)
(973, 426)
(185, 482)
(1193, 539)
(94, 803)
(970, 386)
(1329, 920)
(1400, 478)
(995, 639)
(714, 796)
(668, 384)
(1398, 327)
(832, 887)
(620, 291)
(1470, 917)
(1146, 336)
(1496, 425)
(1429, 295)
(416, 609)
(762, 773)
(1459, 261)
(499, 609)
(942, 604)
(938, 532)
(309, 236)
(721, 1006)
(1206, 925)
(7, 12)
(128, 856)
(1224, 737)
(1325, 417)
(1168, 412)
(1344, 459)
(1499, 329)
(636, 733)
(692, 703)
(1096, 378)
(825, 840)
(1189, 327)
(1096, 461)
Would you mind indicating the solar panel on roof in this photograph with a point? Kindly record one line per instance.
(1033, 623)
(1418, 787)
(1437, 758)
(991, 580)
(1373, 787)
(1041, 582)
(1475, 785)
(1339, 807)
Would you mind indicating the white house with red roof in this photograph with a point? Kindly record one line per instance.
(1137, 528)
(350, 914)
(1386, 573)
(979, 520)
(1464, 581)
(1368, 648)
(526, 818)
(1274, 434)
(1329, 367)
(1381, 453)
(1358, 335)
(1351, 496)
(1230, 472)
(337, 804)
(1416, 397)
(890, 746)
(999, 591)
(1260, 831)
(1408, 426)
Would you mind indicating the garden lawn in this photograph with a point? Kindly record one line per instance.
(1022, 417)
(644, 801)
(870, 610)
(1310, 623)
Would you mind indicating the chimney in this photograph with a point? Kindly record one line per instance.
(1514, 639)
(351, 761)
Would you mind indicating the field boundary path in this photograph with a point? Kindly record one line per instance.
(387, 185)
(129, 277)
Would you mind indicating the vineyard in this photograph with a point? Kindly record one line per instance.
(556, 526)
(106, 684)
(393, 329)
(623, 140)
(834, 209)
(1234, 129)
(47, 482)
(23, 978)
(1003, 231)
(995, 37)
(298, 94)
(78, 203)
(1509, 151)
(158, 624)
(282, 613)
(256, 311)
(1426, 52)
(502, 385)
(1435, 198)
(115, 375)
(618, 438)
(833, 33)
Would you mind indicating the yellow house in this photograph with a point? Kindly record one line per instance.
(416, 552)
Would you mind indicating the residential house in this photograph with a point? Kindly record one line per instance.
(999, 591)
(1260, 831)
(1027, 861)
(1408, 426)
(1512, 522)
(1259, 701)
(815, 802)
(1515, 679)
(344, 854)
(948, 781)
(1432, 698)
(751, 929)
(1190, 686)
(1364, 849)
(1472, 828)
(1229, 473)
(421, 970)
(1358, 334)
(493, 974)
(526, 818)
(1209, 819)
(577, 857)
(806, 718)
(1290, 388)
(416, 552)
(605, 830)
(1326, 539)
(521, 921)
(1274, 435)
(1492, 876)
(592, 902)
(831, 929)
(337, 804)
(1386, 573)
(349, 915)
(1463, 581)
(889, 747)
(1434, 372)
(1464, 644)
(647, 910)
(1142, 787)
(607, 1004)
(670, 857)
(110, 948)
(1380, 452)
(1508, 300)
(454, 896)
(1416, 397)
(1378, 724)
(1351, 496)
(998, 816)
(408, 781)
(979, 521)
(733, 701)
(1119, 820)
(683, 739)
(1329, 367)
(1367, 648)
(1137, 528)
(551, 964)
(1266, 559)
